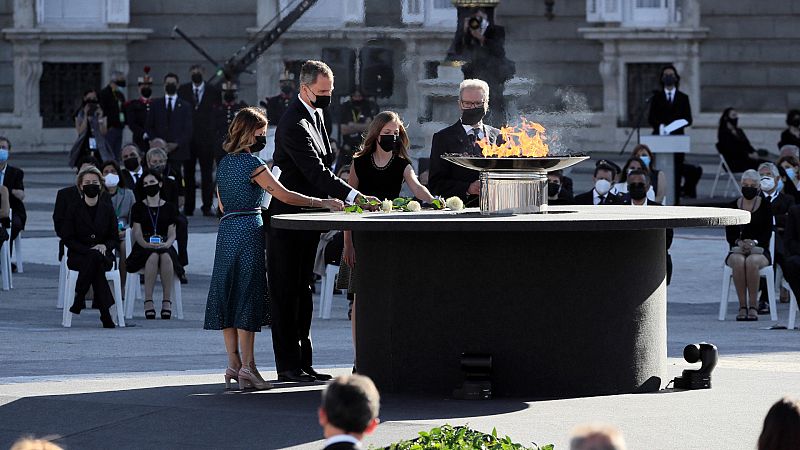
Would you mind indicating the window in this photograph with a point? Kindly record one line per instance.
(650, 12)
(71, 13)
(641, 79)
(603, 11)
(61, 89)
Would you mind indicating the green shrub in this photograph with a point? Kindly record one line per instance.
(448, 437)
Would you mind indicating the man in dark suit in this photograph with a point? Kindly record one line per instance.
(203, 98)
(604, 175)
(224, 114)
(112, 102)
(791, 249)
(349, 410)
(638, 185)
(11, 177)
(304, 156)
(447, 179)
(667, 106)
(170, 118)
(780, 204)
(136, 111)
(559, 188)
(132, 169)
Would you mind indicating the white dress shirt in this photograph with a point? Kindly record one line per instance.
(200, 91)
(479, 126)
(341, 438)
(168, 98)
(670, 93)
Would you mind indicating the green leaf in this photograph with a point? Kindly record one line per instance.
(494, 432)
(353, 209)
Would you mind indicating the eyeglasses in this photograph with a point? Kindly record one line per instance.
(469, 105)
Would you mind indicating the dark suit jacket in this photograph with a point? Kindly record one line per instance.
(136, 112)
(81, 233)
(13, 180)
(178, 129)
(110, 101)
(587, 198)
(663, 112)
(447, 179)
(304, 157)
(791, 237)
(203, 123)
(66, 198)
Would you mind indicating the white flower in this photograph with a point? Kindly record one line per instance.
(386, 206)
(413, 206)
(454, 203)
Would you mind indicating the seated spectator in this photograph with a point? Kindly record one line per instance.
(781, 426)
(791, 251)
(791, 135)
(638, 190)
(349, 410)
(132, 160)
(779, 204)
(559, 188)
(733, 144)
(749, 245)
(658, 180)
(12, 180)
(34, 444)
(604, 176)
(790, 150)
(596, 437)
(90, 234)
(153, 223)
(122, 199)
(789, 169)
(633, 164)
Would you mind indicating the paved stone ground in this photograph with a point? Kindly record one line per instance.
(159, 384)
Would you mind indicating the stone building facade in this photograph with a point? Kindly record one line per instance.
(595, 60)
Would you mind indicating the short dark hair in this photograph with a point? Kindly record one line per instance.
(196, 67)
(781, 426)
(607, 167)
(790, 114)
(351, 402)
(312, 69)
(114, 164)
(677, 76)
(638, 172)
(3, 138)
(172, 75)
(89, 159)
(136, 147)
(148, 172)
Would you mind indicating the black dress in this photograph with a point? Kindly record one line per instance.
(759, 228)
(163, 216)
(382, 182)
(736, 149)
(787, 138)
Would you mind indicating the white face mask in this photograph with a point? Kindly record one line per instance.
(602, 186)
(767, 184)
(112, 180)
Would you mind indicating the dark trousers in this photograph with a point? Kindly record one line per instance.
(91, 268)
(182, 237)
(290, 264)
(686, 178)
(203, 153)
(791, 272)
(15, 227)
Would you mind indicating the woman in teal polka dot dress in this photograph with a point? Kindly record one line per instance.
(237, 298)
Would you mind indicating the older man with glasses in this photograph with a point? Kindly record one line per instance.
(447, 179)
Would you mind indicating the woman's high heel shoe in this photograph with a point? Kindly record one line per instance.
(251, 380)
(166, 313)
(231, 374)
(149, 313)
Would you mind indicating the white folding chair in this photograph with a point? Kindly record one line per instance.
(18, 253)
(792, 306)
(5, 266)
(133, 293)
(723, 169)
(62, 280)
(766, 272)
(327, 286)
(113, 277)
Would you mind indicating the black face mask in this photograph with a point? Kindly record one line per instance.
(322, 101)
(261, 142)
(388, 142)
(151, 190)
(473, 115)
(669, 80)
(197, 78)
(734, 122)
(286, 89)
(131, 164)
(170, 89)
(146, 92)
(158, 168)
(637, 191)
(749, 192)
(91, 101)
(229, 96)
(121, 83)
(91, 190)
(794, 121)
(553, 189)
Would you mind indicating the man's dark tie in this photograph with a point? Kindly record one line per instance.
(319, 124)
(602, 200)
(169, 111)
(669, 97)
(196, 98)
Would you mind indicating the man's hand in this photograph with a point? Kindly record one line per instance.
(476, 33)
(365, 202)
(181, 201)
(474, 188)
(100, 248)
(19, 193)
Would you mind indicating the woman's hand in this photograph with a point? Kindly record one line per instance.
(100, 248)
(349, 254)
(333, 204)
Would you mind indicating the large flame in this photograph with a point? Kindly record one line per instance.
(526, 140)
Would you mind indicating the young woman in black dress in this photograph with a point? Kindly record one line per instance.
(379, 169)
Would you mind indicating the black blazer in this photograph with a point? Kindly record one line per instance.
(81, 233)
(663, 112)
(13, 180)
(178, 129)
(304, 156)
(791, 237)
(110, 101)
(66, 198)
(759, 228)
(203, 120)
(787, 138)
(587, 198)
(445, 178)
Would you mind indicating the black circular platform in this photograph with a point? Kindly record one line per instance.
(569, 303)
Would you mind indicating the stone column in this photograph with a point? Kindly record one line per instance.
(27, 75)
(411, 70)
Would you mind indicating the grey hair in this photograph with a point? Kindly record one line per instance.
(157, 151)
(750, 174)
(772, 168)
(117, 74)
(791, 148)
(312, 69)
(474, 83)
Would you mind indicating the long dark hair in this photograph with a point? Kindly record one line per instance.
(677, 77)
(623, 177)
(723, 122)
(374, 131)
(781, 426)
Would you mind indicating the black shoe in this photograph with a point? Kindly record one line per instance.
(183, 279)
(105, 318)
(763, 308)
(208, 213)
(13, 268)
(318, 376)
(295, 376)
(77, 306)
